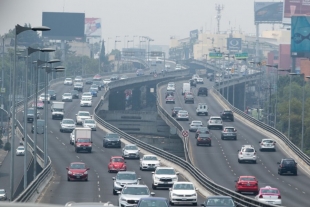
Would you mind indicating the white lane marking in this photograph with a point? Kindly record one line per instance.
(98, 189)
(63, 144)
(99, 196)
(57, 138)
(78, 157)
(51, 132)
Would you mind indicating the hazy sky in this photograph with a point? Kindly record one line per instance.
(158, 19)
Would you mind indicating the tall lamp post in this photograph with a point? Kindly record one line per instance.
(45, 109)
(133, 41)
(302, 114)
(18, 29)
(128, 42)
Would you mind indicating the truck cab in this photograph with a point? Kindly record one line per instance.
(57, 109)
(83, 140)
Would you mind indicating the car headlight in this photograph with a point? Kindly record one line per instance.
(173, 194)
(156, 178)
(193, 194)
(118, 183)
(69, 172)
(125, 152)
(78, 145)
(86, 172)
(175, 179)
(144, 163)
(123, 199)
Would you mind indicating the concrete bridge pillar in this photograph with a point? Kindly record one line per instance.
(136, 99)
(151, 96)
(117, 100)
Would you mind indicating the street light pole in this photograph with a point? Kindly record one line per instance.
(2, 81)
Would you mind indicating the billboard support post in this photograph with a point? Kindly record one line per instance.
(257, 42)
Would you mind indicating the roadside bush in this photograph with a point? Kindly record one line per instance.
(7, 146)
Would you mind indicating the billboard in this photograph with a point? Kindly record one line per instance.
(268, 12)
(193, 34)
(300, 36)
(63, 25)
(295, 7)
(92, 27)
(233, 44)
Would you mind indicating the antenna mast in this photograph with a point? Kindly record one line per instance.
(219, 9)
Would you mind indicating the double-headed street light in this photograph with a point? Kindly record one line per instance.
(128, 42)
(18, 29)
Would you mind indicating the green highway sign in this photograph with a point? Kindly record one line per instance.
(215, 55)
(241, 55)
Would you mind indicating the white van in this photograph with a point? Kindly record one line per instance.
(186, 88)
(202, 108)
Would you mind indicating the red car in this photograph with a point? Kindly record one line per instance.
(97, 77)
(247, 184)
(77, 171)
(170, 99)
(117, 163)
(40, 104)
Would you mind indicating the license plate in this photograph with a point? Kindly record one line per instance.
(165, 182)
(184, 199)
(84, 147)
(113, 143)
(77, 176)
(289, 171)
(248, 184)
(135, 205)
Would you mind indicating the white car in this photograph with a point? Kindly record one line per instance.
(267, 144)
(123, 77)
(44, 97)
(182, 115)
(81, 115)
(195, 76)
(20, 151)
(131, 151)
(131, 194)
(199, 80)
(178, 67)
(171, 87)
(3, 195)
(269, 195)
(202, 108)
(90, 123)
(164, 177)
(86, 101)
(78, 79)
(247, 153)
(72, 137)
(106, 81)
(183, 193)
(67, 97)
(193, 126)
(87, 95)
(68, 81)
(167, 66)
(215, 122)
(149, 162)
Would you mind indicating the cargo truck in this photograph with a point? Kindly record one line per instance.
(58, 110)
(83, 140)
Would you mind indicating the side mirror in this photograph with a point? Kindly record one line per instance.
(259, 142)
(75, 114)
(140, 159)
(152, 193)
(113, 178)
(60, 122)
(139, 178)
(274, 142)
(177, 173)
(152, 172)
(196, 189)
(88, 168)
(170, 189)
(238, 150)
(67, 168)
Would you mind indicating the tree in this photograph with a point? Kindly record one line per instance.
(102, 55)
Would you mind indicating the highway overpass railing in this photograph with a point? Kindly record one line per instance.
(195, 172)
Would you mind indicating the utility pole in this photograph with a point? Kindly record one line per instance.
(219, 9)
(2, 81)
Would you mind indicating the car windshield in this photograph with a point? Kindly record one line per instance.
(269, 191)
(112, 136)
(84, 114)
(183, 186)
(21, 148)
(2, 191)
(67, 121)
(57, 110)
(89, 121)
(268, 141)
(126, 176)
(40, 122)
(86, 99)
(87, 94)
(51, 92)
(183, 112)
(177, 108)
(216, 119)
(247, 179)
(77, 166)
(165, 172)
(67, 94)
(30, 111)
(136, 190)
(171, 85)
(131, 147)
(43, 95)
(117, 159)
(219, 202)
(203, 129)
(83, 140)
(150, 158)
(152, 203)
(227, 112)
(248, 150)
(196, 123)
(229, 130)
(68, 79)
(107, 80)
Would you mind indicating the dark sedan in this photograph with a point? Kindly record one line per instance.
(112, 140)
(175, 111)
(202, 130)
(203, 139)
(75, 94)
(52, 94)
(219, 201)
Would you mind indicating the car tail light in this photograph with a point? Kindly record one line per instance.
(199, 138)
(240, 153)
(279, 196)
(254, 153)
(260, 196)
(261, 143)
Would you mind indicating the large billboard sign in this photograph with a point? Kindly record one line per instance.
(295, 7)
(234, 44)
(63, 25)
(93, 27)
(194, 34)
(268, 12)
(300, 36)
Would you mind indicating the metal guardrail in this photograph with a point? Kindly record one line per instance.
(268, 128)
(195, 172)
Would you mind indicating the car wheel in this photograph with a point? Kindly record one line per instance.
(197, 144)
(254, 161)
(295, 173)
(86, 179)
(222, 138)
(114, 192)
(68, 179)
(141, 168)
(60, 130)
(239, 160)
(171, 203)
(194, 204)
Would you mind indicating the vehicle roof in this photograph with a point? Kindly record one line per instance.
(183, 182)
(177, 107)
(218, 196)
(267, 139)
(288, 159)
(126, 172)
(161, 167)
(247, 146)
(268, 187)
(227, 110)
(136, 186)
(183, 111)
(83, 111)
(67, 119)
(204, 135)
(154, 198)
(117, 157)
(130, 145)
(247, 176)
(197, 121)
(77, 163)
(229, 127)
(111, 133)
(215, 117)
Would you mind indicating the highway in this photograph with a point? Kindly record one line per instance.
(100, 184)
(220, 163)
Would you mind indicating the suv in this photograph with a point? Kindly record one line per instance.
(287, 165)
(30, 115)
(202, 91)
(247, 153)
(52, 94)
(78, 86)
(164, 177)
(193, 82)
(215, 122)
(175, 110)
(124, 178)
(202, 108)
(81, 115)
(188, 97)
(112, 140)
(229, 132)
(227, 115)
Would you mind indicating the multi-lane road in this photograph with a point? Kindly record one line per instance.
(100, 184)
(220, 163)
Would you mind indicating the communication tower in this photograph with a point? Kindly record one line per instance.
(219, 9)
